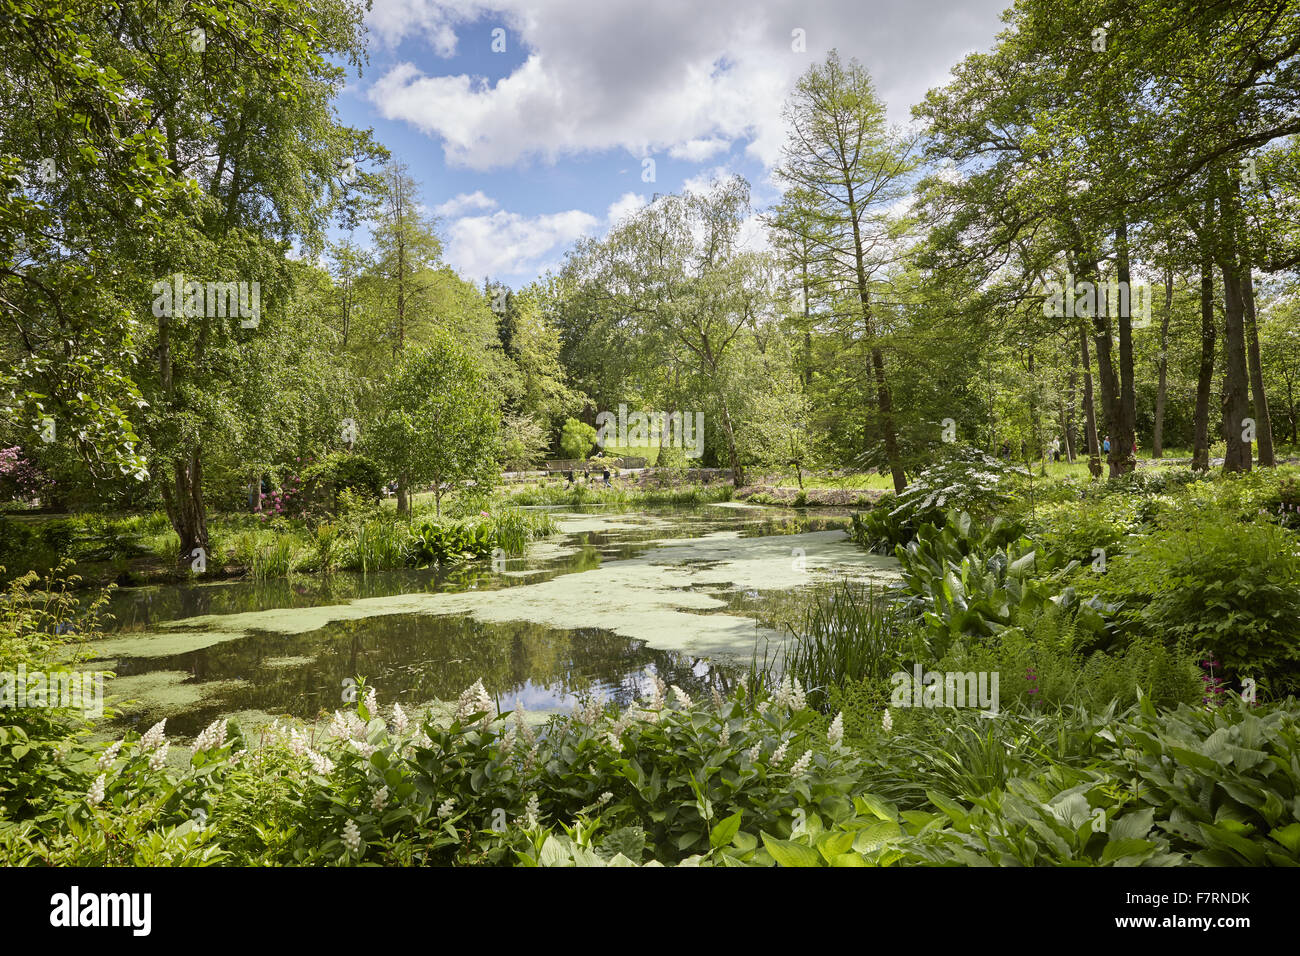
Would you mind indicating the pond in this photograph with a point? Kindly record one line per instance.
(616, 597)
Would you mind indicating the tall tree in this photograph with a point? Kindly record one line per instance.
(844, 171)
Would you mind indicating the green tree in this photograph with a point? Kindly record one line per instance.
(439, 420)
(576, 439)
(844, 171)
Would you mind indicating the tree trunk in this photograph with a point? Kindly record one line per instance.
(183, 500)
(1066, 400)
(1107, 378)
(807, 321)
(1205, 375)
(1263, 418)
(1089, 406)
(1035, 414)
(886, 404)
(403, 494)
(1291, 409)
(1124, 440)
(1071, 435)
(1236, 386)
(883, 398)
(737, 470)
(183, 495)
(1162, 371)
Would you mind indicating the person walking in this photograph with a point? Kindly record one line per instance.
(1056, 449)
(1105, 445)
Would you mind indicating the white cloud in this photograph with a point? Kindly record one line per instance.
(698, 150)
(688, 81)
(509, 244)
(463, 203)
(624, 206)
(393, 20)
(702, 181)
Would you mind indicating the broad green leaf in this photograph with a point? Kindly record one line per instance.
(788, 853)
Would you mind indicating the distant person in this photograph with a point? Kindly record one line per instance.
(572, 481)
(1105, 446)
(1005, 451)
(606, 477)
(1056, 449)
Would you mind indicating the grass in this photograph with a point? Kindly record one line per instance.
(848, 635)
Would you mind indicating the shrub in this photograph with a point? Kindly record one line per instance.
(1074, 530)
(1232, 587)
(325, 480)
(576, 439)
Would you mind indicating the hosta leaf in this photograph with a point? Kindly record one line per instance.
(1288, 836)
(788, 853)
(1125, 849)
(870, 803)
(869, 838)
(831, 845)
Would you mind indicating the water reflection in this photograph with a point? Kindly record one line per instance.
(415, 658)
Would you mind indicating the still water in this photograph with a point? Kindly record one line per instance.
(616, 597)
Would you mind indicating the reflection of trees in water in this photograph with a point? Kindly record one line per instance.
(149, 607)
(415, 657)
(412, 657)
(777, 610)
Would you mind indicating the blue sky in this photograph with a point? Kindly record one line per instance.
(520, 151)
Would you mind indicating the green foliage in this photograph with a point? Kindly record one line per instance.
(969, 581)
(557, 493)
(443, 543)
(1072, 531)
(965, 479)
(852, 635)
(1223, 783)
(1044, 662)
(576, 439)
(338, 472)
(1207, 579)
(439, 421)
(40, 622)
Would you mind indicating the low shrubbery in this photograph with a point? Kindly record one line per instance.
(742, 780)
(1207, 579)
(365, 537)
(966, 479)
